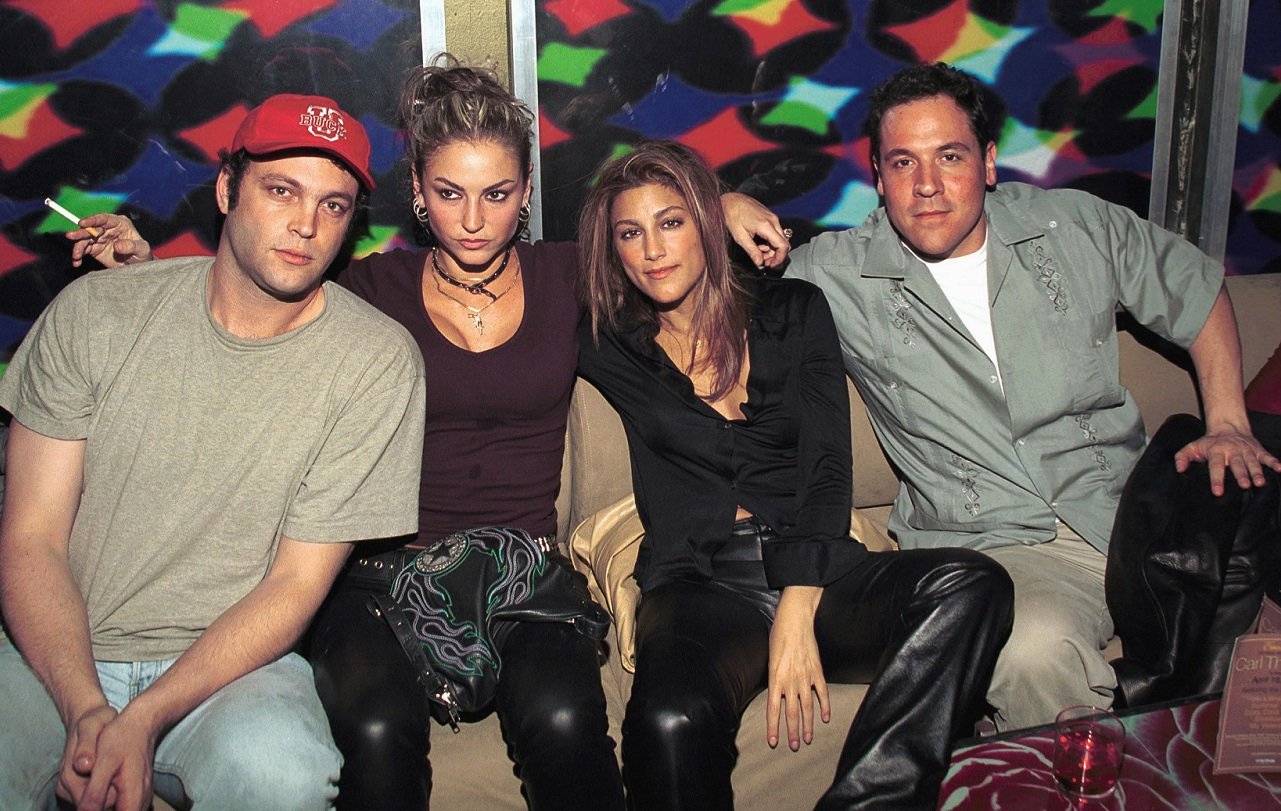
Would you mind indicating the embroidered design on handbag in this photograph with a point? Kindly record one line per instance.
(454, 602)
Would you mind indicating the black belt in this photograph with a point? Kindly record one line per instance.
(378, 571)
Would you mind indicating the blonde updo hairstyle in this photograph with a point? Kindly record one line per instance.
(447, 101)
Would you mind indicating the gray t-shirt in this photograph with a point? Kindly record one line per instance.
(203, 448)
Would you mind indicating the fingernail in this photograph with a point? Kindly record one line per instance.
(773, 742)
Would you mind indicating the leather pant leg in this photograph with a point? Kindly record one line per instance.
(552, 710)
(377, 711)
(701, 656)
(1267, 429)
(924, 627)
(1186, 570)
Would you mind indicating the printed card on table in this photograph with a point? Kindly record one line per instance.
(1269, 621)
(1250, 715)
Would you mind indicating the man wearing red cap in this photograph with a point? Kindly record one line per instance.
(194, 446)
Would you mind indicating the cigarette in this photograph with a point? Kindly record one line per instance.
(93, 232)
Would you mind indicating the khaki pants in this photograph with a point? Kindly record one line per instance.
(1054, 658)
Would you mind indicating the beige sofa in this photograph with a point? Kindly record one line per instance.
(472, 770)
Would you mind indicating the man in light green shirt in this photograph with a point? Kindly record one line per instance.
(978, 322)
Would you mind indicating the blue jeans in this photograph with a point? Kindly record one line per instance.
(260, 742)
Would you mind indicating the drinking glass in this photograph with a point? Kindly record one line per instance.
(1088, 746)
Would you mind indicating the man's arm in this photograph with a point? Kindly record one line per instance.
(259, 628)
(749, 221)
(119, 243)
(1228, 442)
(43, 607)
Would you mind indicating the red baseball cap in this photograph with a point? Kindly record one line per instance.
(290, 121)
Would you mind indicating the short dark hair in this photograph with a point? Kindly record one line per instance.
(925, 81)
(236, 163)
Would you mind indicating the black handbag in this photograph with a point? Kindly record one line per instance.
(451, 605)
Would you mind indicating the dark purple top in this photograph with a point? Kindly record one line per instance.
(495, 435)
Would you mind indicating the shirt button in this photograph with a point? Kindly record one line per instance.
(1022, 442)
(725, 426)
(1054, 504)
(894, 384)
(992, 379)
(1054, 224)
(1098, 342)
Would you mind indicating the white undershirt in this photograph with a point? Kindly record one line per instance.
(963, 280)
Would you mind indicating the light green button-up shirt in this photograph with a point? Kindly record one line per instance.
(980, 468)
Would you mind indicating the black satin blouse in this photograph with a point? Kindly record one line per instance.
(787, 461)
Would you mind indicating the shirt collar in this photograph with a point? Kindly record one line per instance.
(1011, 224)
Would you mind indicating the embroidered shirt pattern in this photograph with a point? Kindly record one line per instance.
(967, 472)
(1092, 437)
(1049, 276)
(900, 313)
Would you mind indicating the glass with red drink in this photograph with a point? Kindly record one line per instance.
(1089, 744)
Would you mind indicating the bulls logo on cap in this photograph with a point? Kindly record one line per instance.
(306, 122)
(324, 122)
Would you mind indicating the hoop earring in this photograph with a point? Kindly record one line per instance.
(420, 212)
(522, 218)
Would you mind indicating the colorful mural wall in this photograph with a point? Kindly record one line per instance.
(122, 105)
(1254, 232)
(774, 92)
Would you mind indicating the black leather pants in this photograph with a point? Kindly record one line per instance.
(923, 626)
(549, 701)
(1186, 570)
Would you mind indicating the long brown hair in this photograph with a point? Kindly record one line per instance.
(720, 302)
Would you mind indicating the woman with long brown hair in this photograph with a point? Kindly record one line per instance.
(735, 405)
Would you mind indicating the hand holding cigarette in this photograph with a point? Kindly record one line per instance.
(93, 232)
(110, 238)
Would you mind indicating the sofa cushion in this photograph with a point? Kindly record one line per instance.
(604, 547)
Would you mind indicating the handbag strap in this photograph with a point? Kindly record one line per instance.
(438, 690)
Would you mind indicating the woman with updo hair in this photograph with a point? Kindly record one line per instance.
(495, 320)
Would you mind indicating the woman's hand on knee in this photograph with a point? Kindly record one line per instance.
(795, 669)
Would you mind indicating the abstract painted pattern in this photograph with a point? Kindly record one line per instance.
(122, 106)
(773, 93)
(1168, 766)
(1254, 236)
